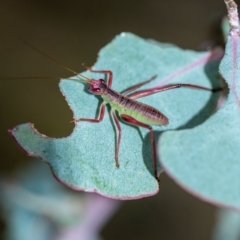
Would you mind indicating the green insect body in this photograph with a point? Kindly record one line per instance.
(127, 106)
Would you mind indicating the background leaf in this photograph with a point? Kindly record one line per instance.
(85, 159)
(227, 225)
(205, 160)
(32, 201)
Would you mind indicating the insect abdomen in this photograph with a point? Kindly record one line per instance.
(148, 115)
(141, 112)
(152, 116)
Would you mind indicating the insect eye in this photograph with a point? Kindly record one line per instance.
(101, 80)
(96, 89)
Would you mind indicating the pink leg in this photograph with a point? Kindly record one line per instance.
(139, 85)
(110, 79)
(99, 119)
(119, 138)
(134, 122)
(149, 92)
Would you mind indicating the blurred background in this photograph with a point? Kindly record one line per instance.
(73, 32)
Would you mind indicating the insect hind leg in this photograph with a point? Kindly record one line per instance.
(138, 85)
(132, 121)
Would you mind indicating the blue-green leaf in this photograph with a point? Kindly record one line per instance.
(227, 225)
(86, 159)
(32, 201)
(206, 160)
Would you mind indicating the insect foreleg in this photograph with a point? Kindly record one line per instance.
(99, 119)
(110, 74)
(130, 120)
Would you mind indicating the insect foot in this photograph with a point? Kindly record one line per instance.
(73, 121)
(158, 180)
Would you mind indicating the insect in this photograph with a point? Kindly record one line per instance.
(129, 110)
(126, 106)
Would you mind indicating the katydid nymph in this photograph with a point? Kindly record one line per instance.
(125, 106)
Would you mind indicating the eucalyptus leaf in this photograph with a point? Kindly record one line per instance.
(206, 160)
(32, 201)
(227, 225)
(85, 160)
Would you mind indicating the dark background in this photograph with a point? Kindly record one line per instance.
(73, 32)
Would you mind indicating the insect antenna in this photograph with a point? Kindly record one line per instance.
(52, 59)
(62, 65)
(88, 80)
(26, 78)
